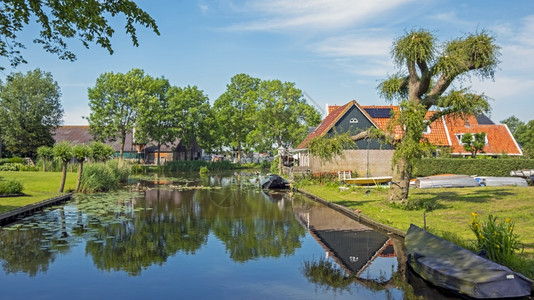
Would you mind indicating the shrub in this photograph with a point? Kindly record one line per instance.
(265, 164)
(204, 170)
(119, 173)
(100, 177)
(10, 187)
(482, 167)
(497, 239)
(11, 167)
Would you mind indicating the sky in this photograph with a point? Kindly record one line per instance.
(335, 51)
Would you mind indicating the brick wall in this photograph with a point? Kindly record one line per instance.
(356, 161)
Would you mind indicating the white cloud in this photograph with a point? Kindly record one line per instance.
(354, 45)
(313, 14)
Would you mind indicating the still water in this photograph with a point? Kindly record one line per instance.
(216, 237)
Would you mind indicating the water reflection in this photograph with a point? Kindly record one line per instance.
(218, 230)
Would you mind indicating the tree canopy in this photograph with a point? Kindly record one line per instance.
(523, 133)
(430, 76)
(60, 21)
(30, 111)
(114, 102)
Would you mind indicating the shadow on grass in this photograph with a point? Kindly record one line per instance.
(6, 208)
(353, 203)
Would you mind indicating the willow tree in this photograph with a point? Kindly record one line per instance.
(431, 76)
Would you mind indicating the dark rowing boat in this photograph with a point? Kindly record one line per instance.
(273, 181)
(449, 266)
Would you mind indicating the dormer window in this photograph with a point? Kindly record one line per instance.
(353, 120)
(427, 130)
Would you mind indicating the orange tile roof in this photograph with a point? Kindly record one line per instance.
(500, 140)
(442, 131)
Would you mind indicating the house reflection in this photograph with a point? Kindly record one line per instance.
(358, 249)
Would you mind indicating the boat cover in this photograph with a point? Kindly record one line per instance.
(449, 266)
(274, 182)
(501, 181)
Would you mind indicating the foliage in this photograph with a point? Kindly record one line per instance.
(283, 116)
(327, 148)
(155, 120)
(63, 151)
(114, 102)
(474, 143)
(235, 112)
(265, 164)
(204, 170)
(86, 21)
(496, 239)
(513, 123)
(97, 177)
(12, 160)
(482, 167)
(81, 152)
(11, 167)
(425, 74)
(326, 274)
(100, 151)
(10, 187)
(30, 110)
(120, 172)
(275, 165)
(46, 154)
(191, 110)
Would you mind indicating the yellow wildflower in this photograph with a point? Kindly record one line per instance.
(508, 220)
(474, 214)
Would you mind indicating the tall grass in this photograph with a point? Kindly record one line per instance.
(102, 177)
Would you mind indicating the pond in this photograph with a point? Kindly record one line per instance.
(210, 237)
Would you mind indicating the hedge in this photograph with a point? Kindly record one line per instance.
(467, 166)
(10, 187)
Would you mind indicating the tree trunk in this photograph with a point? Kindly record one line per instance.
(239, 153)
(79, 179)
(123, 140)
(63, 177)
(159, 153)
(398, 193)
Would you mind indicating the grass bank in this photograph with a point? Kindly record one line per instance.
(38, 186)
(452, 208)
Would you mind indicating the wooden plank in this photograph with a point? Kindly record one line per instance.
(12, 215)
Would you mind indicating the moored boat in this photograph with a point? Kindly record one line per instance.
(273, 181)
(452, 267)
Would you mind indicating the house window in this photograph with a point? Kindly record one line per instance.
(459, 137)
(427, 130)
(353, 120)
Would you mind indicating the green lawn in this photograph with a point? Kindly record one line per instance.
(38, 186)
(453, 208)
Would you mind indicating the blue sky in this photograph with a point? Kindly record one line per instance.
(335, 50)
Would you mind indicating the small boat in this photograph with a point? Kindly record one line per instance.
(273, 181)
(452, 267)
(501, 181)
(368, 180)
(445, 181)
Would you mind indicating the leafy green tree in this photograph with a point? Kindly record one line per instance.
(30, 110)
(114, 102)
(155, 121)
(283, 117)
(235, 111)
(426, 73)
(63, 152)
(191, 108)
(474, 143)
(100, 151)
(513, 123)
(80, 152)
(46, 154)
(525, 137)
(86, 21)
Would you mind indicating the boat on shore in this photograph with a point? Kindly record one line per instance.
(368, 180)
(452, 267)
(445, 181)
